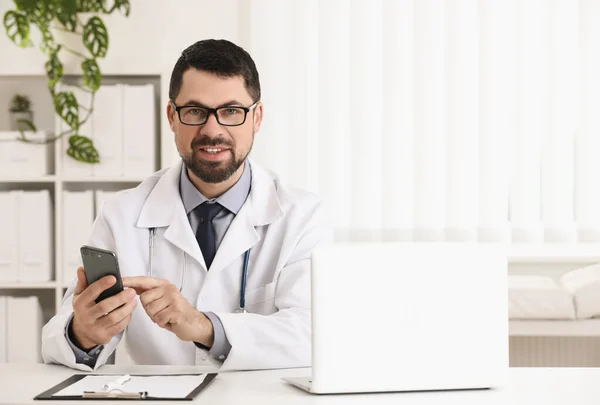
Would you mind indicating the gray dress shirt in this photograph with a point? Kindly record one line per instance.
(232, 200)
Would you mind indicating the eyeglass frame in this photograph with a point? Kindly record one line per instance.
(213, 111)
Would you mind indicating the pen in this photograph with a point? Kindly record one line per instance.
(118, 382)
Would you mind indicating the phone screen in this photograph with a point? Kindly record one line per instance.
(98, 263)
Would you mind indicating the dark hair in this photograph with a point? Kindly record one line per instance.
(218, 56)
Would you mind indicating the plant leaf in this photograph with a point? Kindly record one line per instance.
(87, 6)
(48, 45)
(28, 6)
(29, 125)
(65, 104)
(122, 5)
(95, 37)
(54, 68)
(17, 28)
(82, 149)
(92, 77)
(66, 13)
(43, 13)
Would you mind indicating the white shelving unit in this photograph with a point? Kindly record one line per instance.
(56, 183)
(50, 293)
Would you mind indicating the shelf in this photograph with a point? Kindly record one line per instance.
(48, 285)
(119, 180)
(17, 180)
(555, 253)
(53, 178)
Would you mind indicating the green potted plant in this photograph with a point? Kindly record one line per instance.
(78, 17)
(21, 116)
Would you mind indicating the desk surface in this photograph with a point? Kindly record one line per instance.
(548, 386)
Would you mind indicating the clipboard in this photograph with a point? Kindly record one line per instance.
(116, 395)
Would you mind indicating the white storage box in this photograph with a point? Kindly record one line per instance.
(23, 160)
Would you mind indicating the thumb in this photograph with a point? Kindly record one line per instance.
(81, 281)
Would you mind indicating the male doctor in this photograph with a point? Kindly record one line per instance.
(182, 235)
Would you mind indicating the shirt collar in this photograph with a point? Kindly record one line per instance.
(232, 199)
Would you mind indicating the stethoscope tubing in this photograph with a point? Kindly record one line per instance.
(242, 308)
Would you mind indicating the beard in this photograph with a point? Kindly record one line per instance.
(213, 172)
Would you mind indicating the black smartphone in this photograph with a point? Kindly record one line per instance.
(98, 263)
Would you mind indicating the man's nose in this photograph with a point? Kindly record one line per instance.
(211, 125)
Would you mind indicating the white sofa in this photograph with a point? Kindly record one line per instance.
(542, 305)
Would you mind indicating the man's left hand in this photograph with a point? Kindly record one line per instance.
(168, 308)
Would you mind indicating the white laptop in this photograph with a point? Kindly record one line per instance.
(390, 317)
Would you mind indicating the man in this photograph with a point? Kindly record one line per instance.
(182, 237)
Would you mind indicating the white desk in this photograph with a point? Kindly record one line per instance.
(527, 386)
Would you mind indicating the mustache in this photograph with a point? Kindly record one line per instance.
(205, 140)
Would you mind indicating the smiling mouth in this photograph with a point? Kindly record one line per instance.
(213, 154)
(213, 151)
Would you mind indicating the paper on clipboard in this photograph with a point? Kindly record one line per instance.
(161, 386)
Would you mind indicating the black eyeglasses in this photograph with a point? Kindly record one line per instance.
(229, 116)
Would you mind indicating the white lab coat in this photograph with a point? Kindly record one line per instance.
(280, 224)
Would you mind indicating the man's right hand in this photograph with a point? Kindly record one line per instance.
(96, 324)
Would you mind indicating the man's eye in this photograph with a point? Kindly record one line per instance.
(232, 111)
(195, 111)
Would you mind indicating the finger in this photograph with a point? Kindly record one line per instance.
(156, 306)
(119, 326)
(81, 281)
(94, 290)
(118, 315)
(112, 303)
(164, 317)
(143, 283)
(152, 295)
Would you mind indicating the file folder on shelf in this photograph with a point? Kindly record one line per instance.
(70, 166)
(139, 130)
(24, 159)
(78, 217)
(24, 330)
(35, 236)
(3, 329)
(9, 246)
(108, 131)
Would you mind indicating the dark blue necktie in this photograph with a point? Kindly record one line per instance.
(205, 235)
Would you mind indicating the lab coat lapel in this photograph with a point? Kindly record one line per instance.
(164, 208)
(262, 207)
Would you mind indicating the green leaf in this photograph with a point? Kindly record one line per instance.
(42, 13)
(54, 68)
(66, 13)
(67, 108)
(82, 149)
(121, 5)
(28, 6)
(17, 28)
(95, 37)
(89, 6)
(30, 125)
(91, 74)
(48, 46)
(124, 7)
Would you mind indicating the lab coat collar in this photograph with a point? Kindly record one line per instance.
(164, 208)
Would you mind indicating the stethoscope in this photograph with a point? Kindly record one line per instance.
(242, 308)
